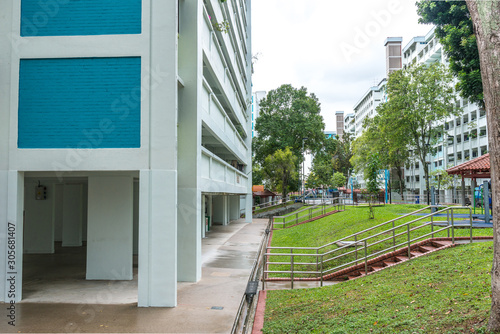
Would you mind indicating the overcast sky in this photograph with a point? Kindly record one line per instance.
(334, 48)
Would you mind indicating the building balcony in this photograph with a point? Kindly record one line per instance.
(220, 130)
(217, 176)
(215, 60)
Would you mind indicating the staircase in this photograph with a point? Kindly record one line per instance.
(389, 259)
(364, 252)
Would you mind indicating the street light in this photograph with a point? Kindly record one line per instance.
(428, 166)
(303, 161)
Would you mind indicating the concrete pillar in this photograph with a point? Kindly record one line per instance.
(210, 211)
(248, 208)
(85, 210)
(158, 182)
(136, 218)
(220, 210)
(58, 211)
(157, 239)
(486, 190)
(11, 236)
(234, 207)
(463, 191)
(473, 186)
(72, 215)
(109, 239)
(189, 213)
(203, 214)
(39, 220)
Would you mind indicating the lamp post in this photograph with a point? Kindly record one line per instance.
(303, 161)
(428, 166)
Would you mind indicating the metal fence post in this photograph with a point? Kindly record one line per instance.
(394, 235)
(470, 218)
(409, 241)
(264, 269)
(356, 243)
(452, 229)
(291, 267)
(366, 259)
(321, 269)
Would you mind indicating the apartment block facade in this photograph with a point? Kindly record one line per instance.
(125, 126)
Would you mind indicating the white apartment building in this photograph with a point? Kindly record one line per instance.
(256, 98)
(465, 137)
(123, 125)
(350, 124)
(366, 106)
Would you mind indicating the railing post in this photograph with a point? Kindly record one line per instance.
(264, 269)
(409, 242)
(291, 267)
(448, 230)
(470, 218)
(321, 270)
(394, 235)
(317, 252)
(356, 243)
(452, 228)
(366, 259)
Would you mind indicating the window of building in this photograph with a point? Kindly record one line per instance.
(417, 165)
(417, 178)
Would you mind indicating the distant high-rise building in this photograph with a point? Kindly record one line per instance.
(256, 98)
(339, 116)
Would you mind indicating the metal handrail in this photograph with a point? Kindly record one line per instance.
(340, 205)
(325, 257)
(244, 315)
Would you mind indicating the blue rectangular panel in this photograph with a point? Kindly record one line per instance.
(85, 103)
(80, 17)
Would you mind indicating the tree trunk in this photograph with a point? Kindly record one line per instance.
(486, 20)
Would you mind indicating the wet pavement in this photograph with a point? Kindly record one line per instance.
(72, 305)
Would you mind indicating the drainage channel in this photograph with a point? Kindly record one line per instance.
(243, 322)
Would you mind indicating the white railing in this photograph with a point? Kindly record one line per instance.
(216, 169)
(217, 119)
(216, 59)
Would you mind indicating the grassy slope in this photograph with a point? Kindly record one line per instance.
(444, 292)
(342, 224)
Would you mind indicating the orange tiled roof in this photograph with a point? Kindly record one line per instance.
(476, 168)
(257, 188)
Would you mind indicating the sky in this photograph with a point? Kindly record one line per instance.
(333, 48)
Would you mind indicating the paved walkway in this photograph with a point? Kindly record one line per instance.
(208, 306)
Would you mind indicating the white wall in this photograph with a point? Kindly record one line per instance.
(109, 239)
(72, 215)
(39, 220)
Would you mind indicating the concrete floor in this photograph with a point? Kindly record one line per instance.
(57, 298)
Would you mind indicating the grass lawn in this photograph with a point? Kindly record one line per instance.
(445, 292)
(340, 225)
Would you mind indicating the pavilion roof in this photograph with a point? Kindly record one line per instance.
(478, 168)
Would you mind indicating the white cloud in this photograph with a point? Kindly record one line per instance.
(302, 42)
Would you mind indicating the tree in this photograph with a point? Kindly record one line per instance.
(279, 169)
(338, 180)
(372, 180)
(455, 32)
(342, 157)
(257, 174)
(379, 136)
(322, 165)
(287, 116)
(486, 21)
(419, 97)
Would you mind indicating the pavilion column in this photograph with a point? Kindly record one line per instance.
(463, 191)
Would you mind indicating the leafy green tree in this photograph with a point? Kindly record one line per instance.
(322, 165)
(257, 174)
(339, 180)
(441, 179)
(379, 136)
(287, 116)
(485, 17)
(419, 97)
(343, 154)
(371, 174)
(455, 32)
(279, 170)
